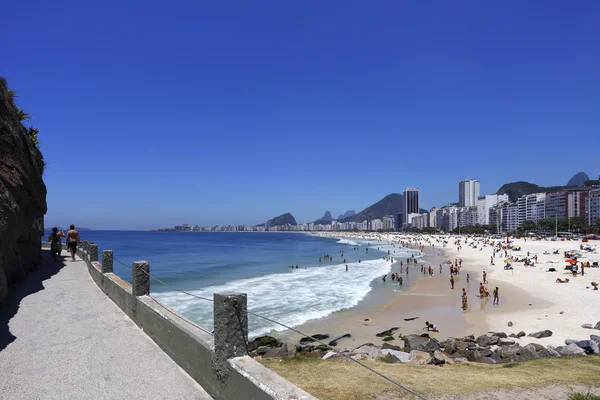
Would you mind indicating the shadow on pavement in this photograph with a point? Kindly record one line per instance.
(17, 292)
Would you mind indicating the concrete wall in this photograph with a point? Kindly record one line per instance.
(191, 348)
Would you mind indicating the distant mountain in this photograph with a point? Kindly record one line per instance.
(284, 219)
(579, 179)
(347, 214)
(514, 190)
(389, 205)
(325, 219)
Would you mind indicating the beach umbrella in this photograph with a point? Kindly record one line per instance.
(571, 261)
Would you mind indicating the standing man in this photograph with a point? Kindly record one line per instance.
(451, 282)
(496, 297)
(485, 277)
(72, 241)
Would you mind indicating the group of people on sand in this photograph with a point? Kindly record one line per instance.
(55, 239)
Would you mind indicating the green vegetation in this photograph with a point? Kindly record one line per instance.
(582, 396)
(388, 338)
(31, 132)
(575, 224)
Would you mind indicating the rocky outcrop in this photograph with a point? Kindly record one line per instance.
(22, 195)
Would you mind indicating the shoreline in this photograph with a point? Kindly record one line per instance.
(431, 299)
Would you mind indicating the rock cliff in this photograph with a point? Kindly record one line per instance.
(22, 194)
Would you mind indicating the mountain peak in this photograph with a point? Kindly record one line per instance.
(347, 214)
(578, 179)
(325, 219)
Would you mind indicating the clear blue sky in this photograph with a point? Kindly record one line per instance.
(158, 113)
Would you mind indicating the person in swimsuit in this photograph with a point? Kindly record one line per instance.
(55, 244)
(496, 297)
(72, 241)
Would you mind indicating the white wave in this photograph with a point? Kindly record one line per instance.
(291, 298)
(348, 242)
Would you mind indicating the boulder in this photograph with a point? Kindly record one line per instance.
(501, 335)
(262, 350)
(521, 334)
(266, 341)
(589, 346)
(508, 351)
(291, 350)
(495, 357)
(569, 341)
(310, 339)
(395, 356)
(528, 352)
(570, 350)
(541, 351)
(483, 341)
(460, 359)
(439, 357)
(389, 332)
(494, 339)
(597, 325)
(595, 338)
(418, 357)
(486, 360)
(587, 326)
(510, 323)
(370, 352)
(390, 347)
(552, 351)
(541, 334)
(277, 352)
(470, 355)
(485, 352)
(421, 343)
(513, 335)
(505, 342)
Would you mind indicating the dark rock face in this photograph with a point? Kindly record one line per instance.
(325, 219)
(347, 214)
(22, 197)
(284, 219)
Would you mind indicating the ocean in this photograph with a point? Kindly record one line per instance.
(255, 263)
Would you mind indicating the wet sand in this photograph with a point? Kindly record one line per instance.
(422, 296)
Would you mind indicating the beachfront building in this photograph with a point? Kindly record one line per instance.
(439, 218)
(399, 221)
(376, 224)
(468, 192)
(510, 217)
(592, 206)
(433, 218)
(531, 207)
(495, 216)
(485, 203)
(411, 202)
(388, 222)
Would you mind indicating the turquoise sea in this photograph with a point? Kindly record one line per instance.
(254, 263)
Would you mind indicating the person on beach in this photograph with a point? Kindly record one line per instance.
(347, 267)
(496, 298)
(400, 281)
(440, 269)
(55, 244)
(558, 280)
(465, 304)
(491, 260)
(431, 327)
(595, 285)
(485, 277)
(451, 282)
(467, 278)
(383, 278)
(72, 241)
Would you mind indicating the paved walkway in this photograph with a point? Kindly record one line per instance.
(62, 338)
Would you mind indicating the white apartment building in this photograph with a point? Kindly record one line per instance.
(388, 222)
(376, 224)
(433, 218)
(531, 207)
(485, 203)
(592, 206)
(468, 192)
(510, 217)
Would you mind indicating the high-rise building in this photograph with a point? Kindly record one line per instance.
(592, 206)
(485, 203)
(468, 193)
(411, 202)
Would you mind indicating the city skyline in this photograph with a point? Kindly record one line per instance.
(219, 114)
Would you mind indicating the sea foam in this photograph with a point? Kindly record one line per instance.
(292, 297)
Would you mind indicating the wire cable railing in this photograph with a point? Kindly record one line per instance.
(346, 357)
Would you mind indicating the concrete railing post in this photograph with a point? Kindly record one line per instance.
(86, 245)
(107, 261)
(140, 278)
(93, 252)
(231, 329)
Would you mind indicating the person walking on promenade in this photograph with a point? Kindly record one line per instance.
(55, 244)
(72, 241)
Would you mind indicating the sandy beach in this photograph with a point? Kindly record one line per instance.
(529, 296)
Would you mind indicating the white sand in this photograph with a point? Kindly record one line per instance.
(576, 300)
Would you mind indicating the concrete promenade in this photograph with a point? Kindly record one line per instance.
(61, 337)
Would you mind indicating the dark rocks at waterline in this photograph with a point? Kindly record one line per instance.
(595, 338)
(335, 341)
(589, 346)
(420, 343)
(521, 334)
(541, 334)
(390, 347)
(597, 325)
(313, 338)
(389, 332)
(570, 350)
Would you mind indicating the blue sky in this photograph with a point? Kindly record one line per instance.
(153, 114)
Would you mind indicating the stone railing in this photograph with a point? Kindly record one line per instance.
(218, 363)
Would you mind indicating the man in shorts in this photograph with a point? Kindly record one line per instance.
(72, 241)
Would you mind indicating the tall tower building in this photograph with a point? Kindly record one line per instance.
(411, 202)
(468, 193)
